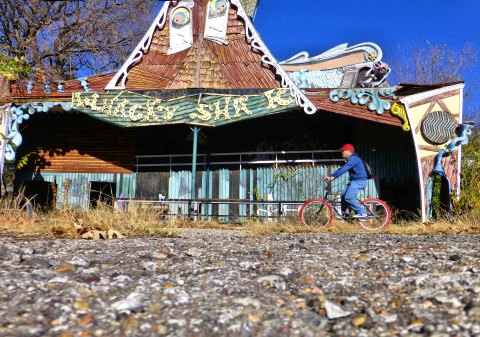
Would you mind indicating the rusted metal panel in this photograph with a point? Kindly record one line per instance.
(76, 143)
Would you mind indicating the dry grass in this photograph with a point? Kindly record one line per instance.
(466, 224)
(15, 220)
(73, 223)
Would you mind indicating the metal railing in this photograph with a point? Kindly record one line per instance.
(238, 158)
(202, 209)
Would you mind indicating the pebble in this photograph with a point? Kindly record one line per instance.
(220, 283)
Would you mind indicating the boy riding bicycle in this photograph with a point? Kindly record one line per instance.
(358, 181)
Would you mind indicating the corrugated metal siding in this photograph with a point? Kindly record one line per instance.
(285, 184)
(79, 193)
(389, 150)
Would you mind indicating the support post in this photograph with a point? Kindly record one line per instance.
(195, 130)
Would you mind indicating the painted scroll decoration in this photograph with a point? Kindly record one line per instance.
(399, 111)
(217, 20)
(358, 66)
(371, 51)
(181, 27)
(364, 96)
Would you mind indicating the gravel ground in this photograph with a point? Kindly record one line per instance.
(220, 283)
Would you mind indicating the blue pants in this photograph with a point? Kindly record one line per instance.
(349, 197)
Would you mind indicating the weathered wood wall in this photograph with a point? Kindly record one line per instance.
(77, 144)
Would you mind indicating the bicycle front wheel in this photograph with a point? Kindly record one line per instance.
(316, 213)
(378, 214)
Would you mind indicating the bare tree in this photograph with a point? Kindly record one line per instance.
(438, 63)
(435, 63)
(63, 37)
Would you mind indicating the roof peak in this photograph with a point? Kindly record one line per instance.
(203, 44)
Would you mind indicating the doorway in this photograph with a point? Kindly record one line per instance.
(102, 193)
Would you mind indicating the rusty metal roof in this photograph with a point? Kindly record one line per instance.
(321, 99)
(206, 64)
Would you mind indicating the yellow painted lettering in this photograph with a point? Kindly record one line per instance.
(222, 112)
(277, 99)
(132, 113)
(204, 113)
(93, 103)
(240, 104)
(150, 112)
(106, 107)
(80, 102)
(169, 111)
(120, 108)
(112, 102)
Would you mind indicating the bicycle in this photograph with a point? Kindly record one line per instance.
(318, 213)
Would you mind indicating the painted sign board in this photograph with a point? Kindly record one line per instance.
(129, 109)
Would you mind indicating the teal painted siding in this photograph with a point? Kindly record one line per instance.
(284, 184)
(79, 193)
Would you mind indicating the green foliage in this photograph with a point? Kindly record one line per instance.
(14, 67)
(285, 176)
(22, 162)
(470, 195)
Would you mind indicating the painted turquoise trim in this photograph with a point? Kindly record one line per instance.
(84, 84)
(317, 78)
(363, 96)
(193, 194)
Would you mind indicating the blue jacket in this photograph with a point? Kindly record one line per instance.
(355, 168)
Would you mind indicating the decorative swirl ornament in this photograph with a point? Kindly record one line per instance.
(363, 96)
(398, 110)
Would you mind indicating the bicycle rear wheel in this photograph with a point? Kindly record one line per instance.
(316, 213)
(378, 214)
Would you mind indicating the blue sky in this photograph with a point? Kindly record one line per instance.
(288, 27)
